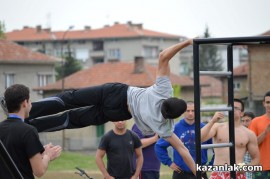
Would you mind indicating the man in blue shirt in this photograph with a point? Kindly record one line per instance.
(185, 130)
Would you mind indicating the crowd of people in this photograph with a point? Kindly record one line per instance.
(137, 152)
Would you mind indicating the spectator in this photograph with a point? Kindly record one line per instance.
(261, 127)
(120, 144)
(246, 120)
(245, 140)
(185, 131)
(21, 140)
(151, 164)
(247, 117)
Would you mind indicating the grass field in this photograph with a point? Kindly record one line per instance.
(64, 167)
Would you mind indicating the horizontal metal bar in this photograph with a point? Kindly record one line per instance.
(235, 40)
(209, 109)
(216, 73)
(219, 145)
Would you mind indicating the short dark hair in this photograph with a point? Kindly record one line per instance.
(266, 94)
(241, 102)
(249, 114)
(190, 102)
(14, 96)
(172, 108)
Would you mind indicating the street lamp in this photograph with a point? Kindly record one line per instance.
(63, 79)
(62, 56)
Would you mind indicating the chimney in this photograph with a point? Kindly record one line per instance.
(139, 64)
(139, 26)
(133, 25)
(87, 27)
(116, 22)
(129, 23)
(38, 28)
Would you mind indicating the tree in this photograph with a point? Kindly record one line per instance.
(209, 58)
(2, 30)
(71, 65)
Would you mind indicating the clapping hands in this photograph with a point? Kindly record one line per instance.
(52, 151)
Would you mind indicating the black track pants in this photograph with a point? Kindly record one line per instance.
(80, 108)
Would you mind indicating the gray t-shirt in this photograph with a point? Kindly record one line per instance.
(145, 107)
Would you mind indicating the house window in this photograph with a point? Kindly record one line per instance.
(150, 52)
(98, 60)
(49, 52)
(184, 69)
(114, 53)
(82, 54)
(69, 52)
(21, 43)
(9, 79)
(44, 79)
(81, 41)
(243, 52)
(98, 45)
(236, 86)
(65, 51)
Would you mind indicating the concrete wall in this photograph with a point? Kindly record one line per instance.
(26, 74)
(260, 73)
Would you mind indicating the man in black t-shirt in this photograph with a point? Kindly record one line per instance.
(21, 140)
(120, 144)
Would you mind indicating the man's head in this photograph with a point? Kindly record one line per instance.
(247, 117)
(120, 125)
(189, 113)
(239, 108)
(266, 102)
(172, 108)
(16, 97)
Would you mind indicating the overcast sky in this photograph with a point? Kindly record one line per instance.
(225, 18)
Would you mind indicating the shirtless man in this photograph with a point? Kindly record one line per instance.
(245, 140)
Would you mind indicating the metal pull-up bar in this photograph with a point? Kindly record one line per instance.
(230, 41)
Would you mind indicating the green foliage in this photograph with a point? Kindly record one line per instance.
(71, 65)
(209, 59)
(2, 30)
(176, 90)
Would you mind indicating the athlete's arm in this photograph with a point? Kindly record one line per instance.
(183, 151)
(166, 55)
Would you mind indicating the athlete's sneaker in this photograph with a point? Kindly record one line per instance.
(3, 105)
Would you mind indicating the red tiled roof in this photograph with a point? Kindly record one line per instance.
(114, 72)
(266, 33)
(114, 31)
(210, 86)
(241, 70)
(13, 53)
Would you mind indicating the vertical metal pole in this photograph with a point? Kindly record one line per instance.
(251, 104)
(196, 71)
(231, 113)
(63, 81)
(63, 87)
